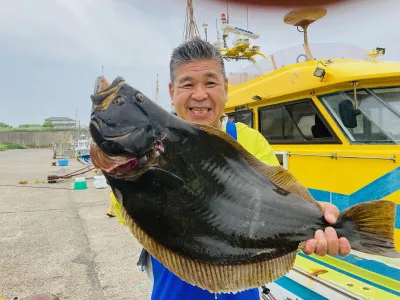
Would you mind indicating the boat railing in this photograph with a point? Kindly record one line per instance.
(293, 55)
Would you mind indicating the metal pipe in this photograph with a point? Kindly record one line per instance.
(393, 158)
(335, 156)
(328, 284)
(318, 155)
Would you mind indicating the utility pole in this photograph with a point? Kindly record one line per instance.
(157, 90)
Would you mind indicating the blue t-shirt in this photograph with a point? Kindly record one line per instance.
(167, 286)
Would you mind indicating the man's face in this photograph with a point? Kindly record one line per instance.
(199, 92)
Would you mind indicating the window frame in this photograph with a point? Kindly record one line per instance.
(315, 141)
(234, 113)
(344, 130)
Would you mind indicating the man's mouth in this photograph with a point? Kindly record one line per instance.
(200, 111)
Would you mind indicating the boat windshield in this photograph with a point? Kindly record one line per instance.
(83, 144)
(377, 119)
(240, 73)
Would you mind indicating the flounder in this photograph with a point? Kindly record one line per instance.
(208, 210)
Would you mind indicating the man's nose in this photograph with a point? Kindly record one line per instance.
(199, 93)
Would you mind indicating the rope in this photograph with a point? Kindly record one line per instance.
(54, 178)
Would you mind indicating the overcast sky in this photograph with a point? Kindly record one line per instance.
(52, 50)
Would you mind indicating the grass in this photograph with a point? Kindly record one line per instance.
(4, 147)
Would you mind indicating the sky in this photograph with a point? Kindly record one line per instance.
(52, 50)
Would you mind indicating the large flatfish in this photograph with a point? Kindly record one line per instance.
(208, 210)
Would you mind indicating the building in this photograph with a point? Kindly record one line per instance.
(61, 122)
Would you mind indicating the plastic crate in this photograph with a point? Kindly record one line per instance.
(63, 162)
(80, 183)
(100, 182)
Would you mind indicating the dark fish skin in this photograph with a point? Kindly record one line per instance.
(218, 209)
(199, 194)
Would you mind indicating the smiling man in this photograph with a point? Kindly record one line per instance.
(199, 91)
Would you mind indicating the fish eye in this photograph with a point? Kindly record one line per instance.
(139, 97)
(119, 101)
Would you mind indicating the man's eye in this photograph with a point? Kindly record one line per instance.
(187, 85)
(210, 83)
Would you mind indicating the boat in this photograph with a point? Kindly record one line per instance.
(82, 150)
(331, 112)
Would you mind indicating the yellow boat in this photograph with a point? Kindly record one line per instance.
(333, 119)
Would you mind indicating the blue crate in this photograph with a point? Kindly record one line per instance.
(63, 162)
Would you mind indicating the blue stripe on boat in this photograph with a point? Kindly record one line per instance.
(298, 289)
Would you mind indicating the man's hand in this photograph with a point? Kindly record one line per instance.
(327, 242)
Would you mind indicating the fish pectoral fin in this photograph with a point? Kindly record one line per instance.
(165, 177)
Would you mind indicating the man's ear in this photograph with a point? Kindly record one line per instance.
(171, 92)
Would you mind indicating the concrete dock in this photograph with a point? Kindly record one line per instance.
(58, 240)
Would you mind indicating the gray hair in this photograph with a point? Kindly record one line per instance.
(192, 50)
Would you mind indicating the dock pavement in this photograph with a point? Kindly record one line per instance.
(59, 240)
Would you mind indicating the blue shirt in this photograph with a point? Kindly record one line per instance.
(167, 286)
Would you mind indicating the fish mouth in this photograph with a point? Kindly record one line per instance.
(95, 124)
(124, 166)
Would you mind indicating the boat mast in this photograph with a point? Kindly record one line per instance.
(191, 30)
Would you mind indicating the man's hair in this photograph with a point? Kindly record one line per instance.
(192, 50)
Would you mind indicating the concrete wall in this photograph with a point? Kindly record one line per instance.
(40, 139)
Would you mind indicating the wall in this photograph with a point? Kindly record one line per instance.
(41, 139)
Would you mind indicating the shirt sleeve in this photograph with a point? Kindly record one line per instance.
(117, 208)
(265, 153)
(255, 143)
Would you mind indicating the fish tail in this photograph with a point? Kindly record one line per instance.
(369, 227)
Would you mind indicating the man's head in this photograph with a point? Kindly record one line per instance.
(198, 87)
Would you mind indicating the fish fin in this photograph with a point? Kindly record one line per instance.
(102, 99)
(212, 277)
(171, 180)
(369, 227)
(101, 84)
(285, 181)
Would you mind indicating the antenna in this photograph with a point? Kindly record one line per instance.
(157, 90)
(227, 13)
(303, 18)
(247, 17)
(205, 25)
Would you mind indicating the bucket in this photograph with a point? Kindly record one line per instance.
(99, 182)
(63, 162)
(80, 183)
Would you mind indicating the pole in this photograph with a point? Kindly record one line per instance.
(191, 19)
(157, 90)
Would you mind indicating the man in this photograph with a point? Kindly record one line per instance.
(199, 91)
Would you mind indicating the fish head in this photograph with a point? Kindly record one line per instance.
(124, 126)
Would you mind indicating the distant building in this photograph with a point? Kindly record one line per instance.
(62, 122)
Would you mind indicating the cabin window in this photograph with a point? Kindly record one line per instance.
(376, 119)
(294, 122)
(243, 116)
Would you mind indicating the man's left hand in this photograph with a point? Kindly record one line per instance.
(327, 242)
